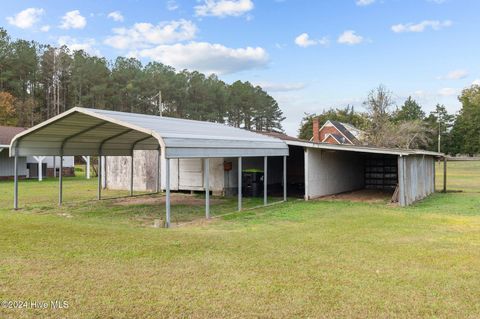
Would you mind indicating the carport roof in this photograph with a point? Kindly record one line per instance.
(82, 131)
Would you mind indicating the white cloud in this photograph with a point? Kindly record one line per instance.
(115, 16)
(143, 35)
(364, 2)
(223, 8)
(73, 20)
(172, 5)
(27, 18)
(350, 37)
(447, 92)
(476, 82)
(303, 40)
(281, 87)
(207, 57)
(87, 45)
(421, 26)
(45, 28)
(454, 75)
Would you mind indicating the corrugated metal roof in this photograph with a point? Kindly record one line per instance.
(7, 133)
(84, 131)
(363, 149)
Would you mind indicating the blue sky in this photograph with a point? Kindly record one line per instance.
(309, 55)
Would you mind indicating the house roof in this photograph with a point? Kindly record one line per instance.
(346, 132)
(280, 135)
(82, 131)
(7, 133)
(339, 138)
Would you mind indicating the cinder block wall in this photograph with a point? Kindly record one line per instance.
(333, 172)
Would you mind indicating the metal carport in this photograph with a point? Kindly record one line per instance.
(91, 132)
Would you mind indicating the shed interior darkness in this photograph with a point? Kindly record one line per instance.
(334, 172)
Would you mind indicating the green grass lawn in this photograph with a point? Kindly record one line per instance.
(300, 259)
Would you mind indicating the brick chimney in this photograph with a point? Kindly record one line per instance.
(316, 129)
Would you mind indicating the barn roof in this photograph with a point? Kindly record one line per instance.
(82, 131)
(7, 133)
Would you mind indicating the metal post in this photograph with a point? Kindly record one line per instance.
(167, 186)
(99, 173)
(445, 174)
(265, 180)
(284, 178)
(157, 185)
(54, 166)
(207, 187)
(88, 167)
(60, 182)
(104, 173)
(15, 178)
(239, 184)
(131, 174)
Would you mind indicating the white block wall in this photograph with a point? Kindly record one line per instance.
(330, 172)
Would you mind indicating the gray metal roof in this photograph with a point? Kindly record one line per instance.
(82, 131)
(363, 149)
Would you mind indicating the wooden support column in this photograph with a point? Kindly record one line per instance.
(239, 184)
(284, 178)
(265, 180)
(15, 181)
(207, 187)
(445, 174)
(60, 182)
(167, 186)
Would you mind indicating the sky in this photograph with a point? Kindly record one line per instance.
(310, 55)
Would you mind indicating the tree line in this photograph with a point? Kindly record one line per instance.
(408, 126)
(39, 81)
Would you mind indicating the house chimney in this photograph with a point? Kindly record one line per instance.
(316, 130)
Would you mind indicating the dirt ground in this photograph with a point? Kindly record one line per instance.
(363, 195)
(176, 199)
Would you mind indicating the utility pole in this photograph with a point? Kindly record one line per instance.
(439, 130)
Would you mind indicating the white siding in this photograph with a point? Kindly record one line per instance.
(7, 165)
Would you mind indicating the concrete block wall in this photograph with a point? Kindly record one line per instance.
(332, 172)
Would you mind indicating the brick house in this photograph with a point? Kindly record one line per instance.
(334, 132)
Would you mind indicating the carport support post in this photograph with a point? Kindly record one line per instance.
(239, 184)
(131, 174)
(445, 174)
(99, 175)
(60, 182)
(167, 187)
(284, 178)
(265, 181)
(157, 184)
(207, 188)
(15, 178)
